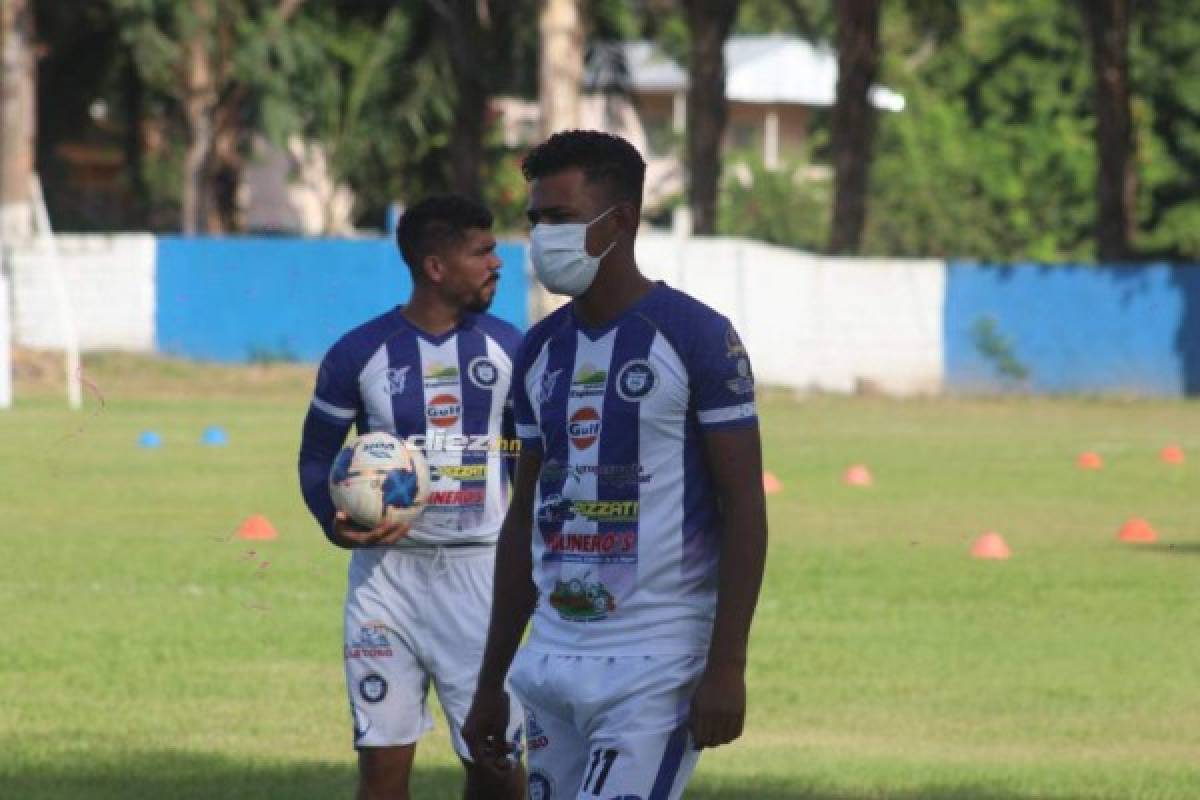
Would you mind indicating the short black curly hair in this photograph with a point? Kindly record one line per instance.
(603, 157)
(434, 222)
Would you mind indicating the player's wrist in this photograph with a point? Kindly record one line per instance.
(490, 681)
(726, 663)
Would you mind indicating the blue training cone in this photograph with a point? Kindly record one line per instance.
(214, 436)
(149, 440)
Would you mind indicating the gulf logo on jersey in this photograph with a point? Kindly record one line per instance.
(443, 410)
(584, 428)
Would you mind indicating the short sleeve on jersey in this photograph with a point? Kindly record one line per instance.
(721, 378)
(336, 393)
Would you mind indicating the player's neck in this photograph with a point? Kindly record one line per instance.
(618, 286)
(430, 313)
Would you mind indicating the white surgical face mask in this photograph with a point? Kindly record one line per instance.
(560, 256)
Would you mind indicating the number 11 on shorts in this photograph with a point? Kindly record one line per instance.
(607, 756)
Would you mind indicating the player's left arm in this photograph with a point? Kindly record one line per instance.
(722, 394)
(734, 458)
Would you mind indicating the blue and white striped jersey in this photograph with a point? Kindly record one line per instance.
(626, 529)
(447, 394)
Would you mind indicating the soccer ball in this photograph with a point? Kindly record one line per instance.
(379, 477)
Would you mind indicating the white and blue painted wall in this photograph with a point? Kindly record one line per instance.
(810, 322)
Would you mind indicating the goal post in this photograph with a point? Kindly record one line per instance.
(6, 368)
(46, 245)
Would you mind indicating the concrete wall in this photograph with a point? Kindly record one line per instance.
(238, 299)
(109, 284)
(810, 322)
(1061, 328)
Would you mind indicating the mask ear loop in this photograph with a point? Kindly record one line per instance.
(596, 219)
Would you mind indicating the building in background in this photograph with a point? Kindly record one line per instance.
(773, 84)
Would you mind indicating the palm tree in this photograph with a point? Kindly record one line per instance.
(18, 90)
(478, 35)
(560, 65)
(709, 23)
(1107, 23)
(853, 119)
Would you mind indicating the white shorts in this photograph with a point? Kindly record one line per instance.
(607, 727)
(414, 616)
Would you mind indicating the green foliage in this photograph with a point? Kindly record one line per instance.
(992, 159)
(1166, 80)
(993, 156)
(997, 349)
(504, 190)
(779, 206)
(342, 91)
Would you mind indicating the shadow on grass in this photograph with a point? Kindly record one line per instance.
(1171, 548)
(750, 789)
(176, 775)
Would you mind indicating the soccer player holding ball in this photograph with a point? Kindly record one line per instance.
(636, 536)
(435, 371)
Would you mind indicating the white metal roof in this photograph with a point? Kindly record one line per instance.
(775, 68)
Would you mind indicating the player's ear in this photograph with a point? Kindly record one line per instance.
(626, 216)
(433, 269)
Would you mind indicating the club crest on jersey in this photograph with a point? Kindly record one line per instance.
(584, 428)
(397, 377)
(546, 387)
(483, 372)
(443, 410)
(636, 380)
(588, 381)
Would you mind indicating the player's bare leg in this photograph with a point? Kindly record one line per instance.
(383, 772)
(485, 785)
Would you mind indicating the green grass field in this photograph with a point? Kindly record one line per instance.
(145, 652)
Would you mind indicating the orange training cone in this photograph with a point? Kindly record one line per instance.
(1089, 460)
(1137, 531)
(1172, 454)
(257, 528)
(991, 546)
(857, 475)
(771, 484)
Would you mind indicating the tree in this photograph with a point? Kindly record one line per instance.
(1166, 70)
(853, 119)
(478, 35)
(1108, 24)
(993, 157)
(336, 95)
(18, 90)
(709, 23)
(211, 59)
(560, 67)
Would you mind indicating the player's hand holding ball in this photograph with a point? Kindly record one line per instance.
(350, 534)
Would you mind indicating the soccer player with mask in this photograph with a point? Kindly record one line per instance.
(437, 372)
(636, 536)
